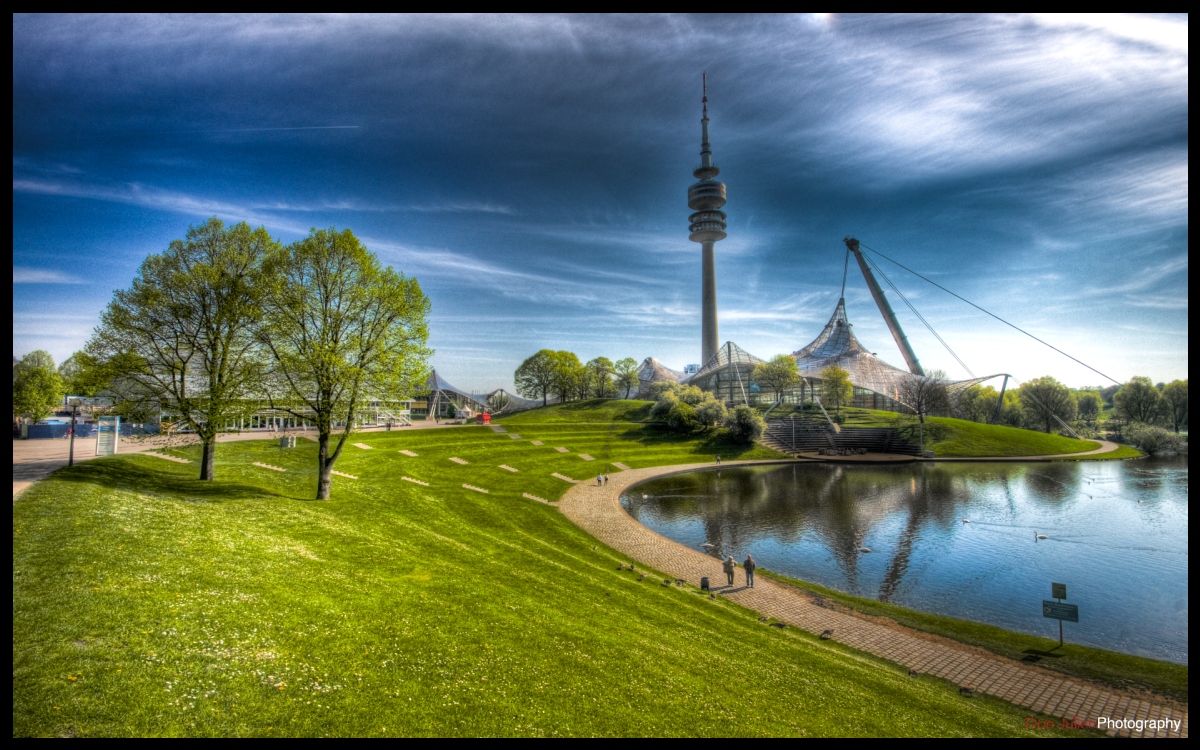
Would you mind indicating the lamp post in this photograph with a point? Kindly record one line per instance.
(75, 404)
(792, 418)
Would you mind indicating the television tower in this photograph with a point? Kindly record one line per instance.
(707, 226)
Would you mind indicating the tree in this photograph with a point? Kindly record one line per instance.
(924, 394)
(779, 375)
(1089, 406)
(978, 403)
(568, 371)
(1043, 399)
(340, 329)
(627, 374)
(181, 338)
(535, 376)
(836, 387)
(600, 375)
(1175, 403)
(84, 375)
(1138, 401)
(37, 386)
(710, 411)
(744, 424)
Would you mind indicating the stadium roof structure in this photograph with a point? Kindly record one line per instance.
(652, 371)
(837, 345)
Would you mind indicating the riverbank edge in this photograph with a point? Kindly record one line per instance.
(1128, 672)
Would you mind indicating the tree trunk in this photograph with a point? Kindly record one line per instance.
(324, 467)
(207, 458)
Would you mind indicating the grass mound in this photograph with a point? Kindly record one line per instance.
(966, 438)
(148, 603)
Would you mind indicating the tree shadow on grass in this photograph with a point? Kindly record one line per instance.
(126, 475)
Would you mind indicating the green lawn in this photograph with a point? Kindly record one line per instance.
(148, 603)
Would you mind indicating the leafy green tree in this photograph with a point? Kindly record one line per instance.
(744, 424)
(626, 371)
(37, 386)
(836, 387)
(181, 338)
(341, 329)
(1175, 403)
(600, 375)
(568, 371)
(84, 375)
(779, 375)
(1138, 401)
(1042, 399)
(978, 403)
(1090, 405)
(535, 376)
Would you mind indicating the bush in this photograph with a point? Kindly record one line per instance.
(1155, 440)
(744, 424)
(682, 418)
(710, 411)
(666, 400)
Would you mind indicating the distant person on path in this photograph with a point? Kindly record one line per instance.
(606, 479)
(599, 480)
(730, 566)
(718, 460)
(749, 567)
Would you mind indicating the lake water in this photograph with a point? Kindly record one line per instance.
(1117, 536)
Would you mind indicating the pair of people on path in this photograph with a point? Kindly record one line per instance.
(749, 566)
(601, 479)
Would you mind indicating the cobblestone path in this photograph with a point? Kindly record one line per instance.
(596, 509)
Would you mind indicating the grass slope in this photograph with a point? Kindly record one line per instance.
(148, 603)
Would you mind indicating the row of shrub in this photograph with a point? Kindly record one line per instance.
(686, 408)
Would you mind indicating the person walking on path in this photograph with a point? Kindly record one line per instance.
(749, 567)
(730, 566)
(599, 480)
(718, 460)
(606, 479)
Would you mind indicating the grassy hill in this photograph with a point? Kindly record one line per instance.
(961, 438)
(148, 603)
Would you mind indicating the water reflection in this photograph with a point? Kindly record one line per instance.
(959, 539)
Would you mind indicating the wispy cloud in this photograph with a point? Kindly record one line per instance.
(27, 275)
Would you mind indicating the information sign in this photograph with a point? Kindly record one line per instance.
(1060, 611)
(1058, 590)
(108, 432)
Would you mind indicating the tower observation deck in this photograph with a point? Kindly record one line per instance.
(707, 226)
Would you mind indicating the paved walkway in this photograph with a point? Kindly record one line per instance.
(597, 511)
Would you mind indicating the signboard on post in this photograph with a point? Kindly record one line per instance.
(1058, 590)
(108, 433)
(1060, 611)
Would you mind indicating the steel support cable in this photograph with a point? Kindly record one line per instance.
(920, 317)
(992, 314)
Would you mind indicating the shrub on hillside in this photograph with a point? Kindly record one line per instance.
(710, 411)
(1155, 440)
(744, 424)
(682, 418)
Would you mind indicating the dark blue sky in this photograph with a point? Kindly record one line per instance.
(532, 172)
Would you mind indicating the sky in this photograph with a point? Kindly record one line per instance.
(532, 171)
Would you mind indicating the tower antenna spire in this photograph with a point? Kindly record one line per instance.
(707, 227)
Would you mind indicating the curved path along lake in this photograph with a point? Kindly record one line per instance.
(1116, 534)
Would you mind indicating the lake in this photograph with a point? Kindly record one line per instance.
(960, 539)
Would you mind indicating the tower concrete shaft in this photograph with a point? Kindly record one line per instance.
(707, 226)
